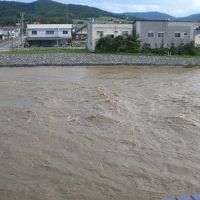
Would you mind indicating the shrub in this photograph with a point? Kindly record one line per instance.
(129, 44)
(186, 49)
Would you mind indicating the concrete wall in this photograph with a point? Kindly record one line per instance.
(96, 31)
(168, 28)
(145, 27)
(197, 38)
(186, 33)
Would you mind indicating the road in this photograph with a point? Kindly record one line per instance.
(8, 45)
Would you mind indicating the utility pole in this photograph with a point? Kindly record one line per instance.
(18, 36)
(22, 27)
(67, 10)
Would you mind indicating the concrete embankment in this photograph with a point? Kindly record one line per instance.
(91, 59)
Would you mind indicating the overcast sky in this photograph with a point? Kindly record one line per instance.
(177, 8)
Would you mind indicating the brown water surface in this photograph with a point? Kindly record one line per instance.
(96, 133)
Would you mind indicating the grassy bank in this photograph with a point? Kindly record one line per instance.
(45, 51)
(190, 65)
(62, 50)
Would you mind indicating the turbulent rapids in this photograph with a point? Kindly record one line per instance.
(85, 133)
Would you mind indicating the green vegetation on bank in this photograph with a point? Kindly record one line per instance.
(45, 51)
(191, 65)
(119, 44)
(188, 49)
(131, 44)
(49, 51)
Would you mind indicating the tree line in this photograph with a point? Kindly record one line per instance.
(131, 44)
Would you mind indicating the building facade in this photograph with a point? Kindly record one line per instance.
(48, 35)
(80, 33)
(197, 36)
(156, 34)
(2, 37)
(9, 31)
(96, 31)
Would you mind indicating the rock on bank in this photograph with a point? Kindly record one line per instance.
(90, 59)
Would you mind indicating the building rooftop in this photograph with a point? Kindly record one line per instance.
(167, 20)
(48, 26)
(111, 25)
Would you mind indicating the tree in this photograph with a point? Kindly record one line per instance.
(129, 44)
(105, 44)
(132, 44)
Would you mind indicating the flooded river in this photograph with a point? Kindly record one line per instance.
(96, 133)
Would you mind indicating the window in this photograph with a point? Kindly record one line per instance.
(125, 33)
(111, 35)
(177, 35)
(34, 32)
(150, 34)
(160, 34)
(198, 28)
(146, 45)
(49, 32)
(185, 34)
(65, 32)
(100, 33)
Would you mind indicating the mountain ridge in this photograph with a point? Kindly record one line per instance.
(49, 11)
(154, 15)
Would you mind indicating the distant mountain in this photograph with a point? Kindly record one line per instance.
(48, 11)
(161, 16)
(149, 15)
(195, 17)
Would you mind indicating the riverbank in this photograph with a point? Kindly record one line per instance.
(86, 59)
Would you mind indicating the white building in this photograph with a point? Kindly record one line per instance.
(49, 35)
(9, 31)
(2, 36)
(96, 31)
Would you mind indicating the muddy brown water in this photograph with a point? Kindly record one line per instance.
(95, 133)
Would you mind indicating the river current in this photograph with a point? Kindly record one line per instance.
(96, 133)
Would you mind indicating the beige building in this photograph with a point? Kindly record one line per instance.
(152, 33)
(96, 31)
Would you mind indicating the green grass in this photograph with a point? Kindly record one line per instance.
(185, 56)
(64, 50)
(45, 51)
(190, 65)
